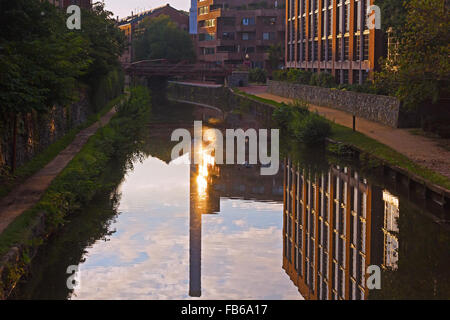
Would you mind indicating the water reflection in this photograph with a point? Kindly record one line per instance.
(336, 224)
(171, 230)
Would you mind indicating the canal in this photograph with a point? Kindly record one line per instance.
(171, 230)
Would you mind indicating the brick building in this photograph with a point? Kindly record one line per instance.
(130, 25)
(332, 36)
(231, 32)
(86, 4)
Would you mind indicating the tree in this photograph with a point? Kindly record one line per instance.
(419, 69)
(42, 62)
(275, 55)
(162, 39)
(106, 42)
(393, 15)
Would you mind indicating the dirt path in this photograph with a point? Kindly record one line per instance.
(30, 192)
(421, 150)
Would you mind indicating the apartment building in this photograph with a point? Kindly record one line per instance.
(236, 32)
(332, 36)
(86, 4)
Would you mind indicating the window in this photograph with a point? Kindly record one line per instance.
(245, 36)
(338, 49)
(356, 76)
(209, 23)
(330, 49)
(228, 36)
(346, 45)
(347, 17)
(208, 51)
(206, 37)
(226, 49)
(248, 21)
(315, 49)
(357, 41)
(228, 21)
(323, 49)
(202, 10)
(366, 47)
(268, 35)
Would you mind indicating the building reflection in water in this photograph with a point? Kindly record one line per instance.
(334, 227)
(209, 182)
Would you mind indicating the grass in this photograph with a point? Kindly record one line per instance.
(377, 149)
(47, 155)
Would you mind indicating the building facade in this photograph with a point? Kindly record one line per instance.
(130, 25)
(335, 225)
(332, 36)
(234, 32)
(86, 4)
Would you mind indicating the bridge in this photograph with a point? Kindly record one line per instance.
(163, 67)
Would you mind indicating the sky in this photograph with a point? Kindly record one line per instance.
(123, 8)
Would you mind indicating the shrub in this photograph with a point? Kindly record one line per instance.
(323, 79)
(280, 75)
(258, 75)
(296, 120)
(299, 76)
(311, 129)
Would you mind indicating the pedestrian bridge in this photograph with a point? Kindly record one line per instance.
(165, 68)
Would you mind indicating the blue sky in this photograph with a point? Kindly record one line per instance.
(123, 8)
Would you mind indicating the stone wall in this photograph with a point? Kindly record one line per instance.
(238, 79)
(383, 109)
(35, 131)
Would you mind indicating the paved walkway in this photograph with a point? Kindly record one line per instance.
(30, 192)
(421, 150)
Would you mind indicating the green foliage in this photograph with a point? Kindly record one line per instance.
(311, 128)
(106, 88)
(80, 180)
(276, 55)
(418, 70)
(257, 75)
(322, 79)
(296, 120)
(162, 39)
(42, 61)
(393, 15)
(280, 75)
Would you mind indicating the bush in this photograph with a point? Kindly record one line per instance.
(257, 75)
(280, 75)
(323, 79)
(296, 120)
(299, 76)
(311, 129)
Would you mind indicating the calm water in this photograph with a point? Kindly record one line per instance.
(171, 230)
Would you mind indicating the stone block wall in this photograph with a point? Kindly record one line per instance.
(383, 109)
(35, 132)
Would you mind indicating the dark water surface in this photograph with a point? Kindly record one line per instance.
(171, 230)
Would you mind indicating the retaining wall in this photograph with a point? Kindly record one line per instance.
(383, 109)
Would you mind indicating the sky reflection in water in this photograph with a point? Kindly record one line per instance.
(148, 255)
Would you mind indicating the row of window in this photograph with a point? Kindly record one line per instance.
(309, 50)
(231, 36)
(342, 21)
(228, 21)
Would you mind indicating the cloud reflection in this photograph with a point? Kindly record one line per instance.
(148, 256)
